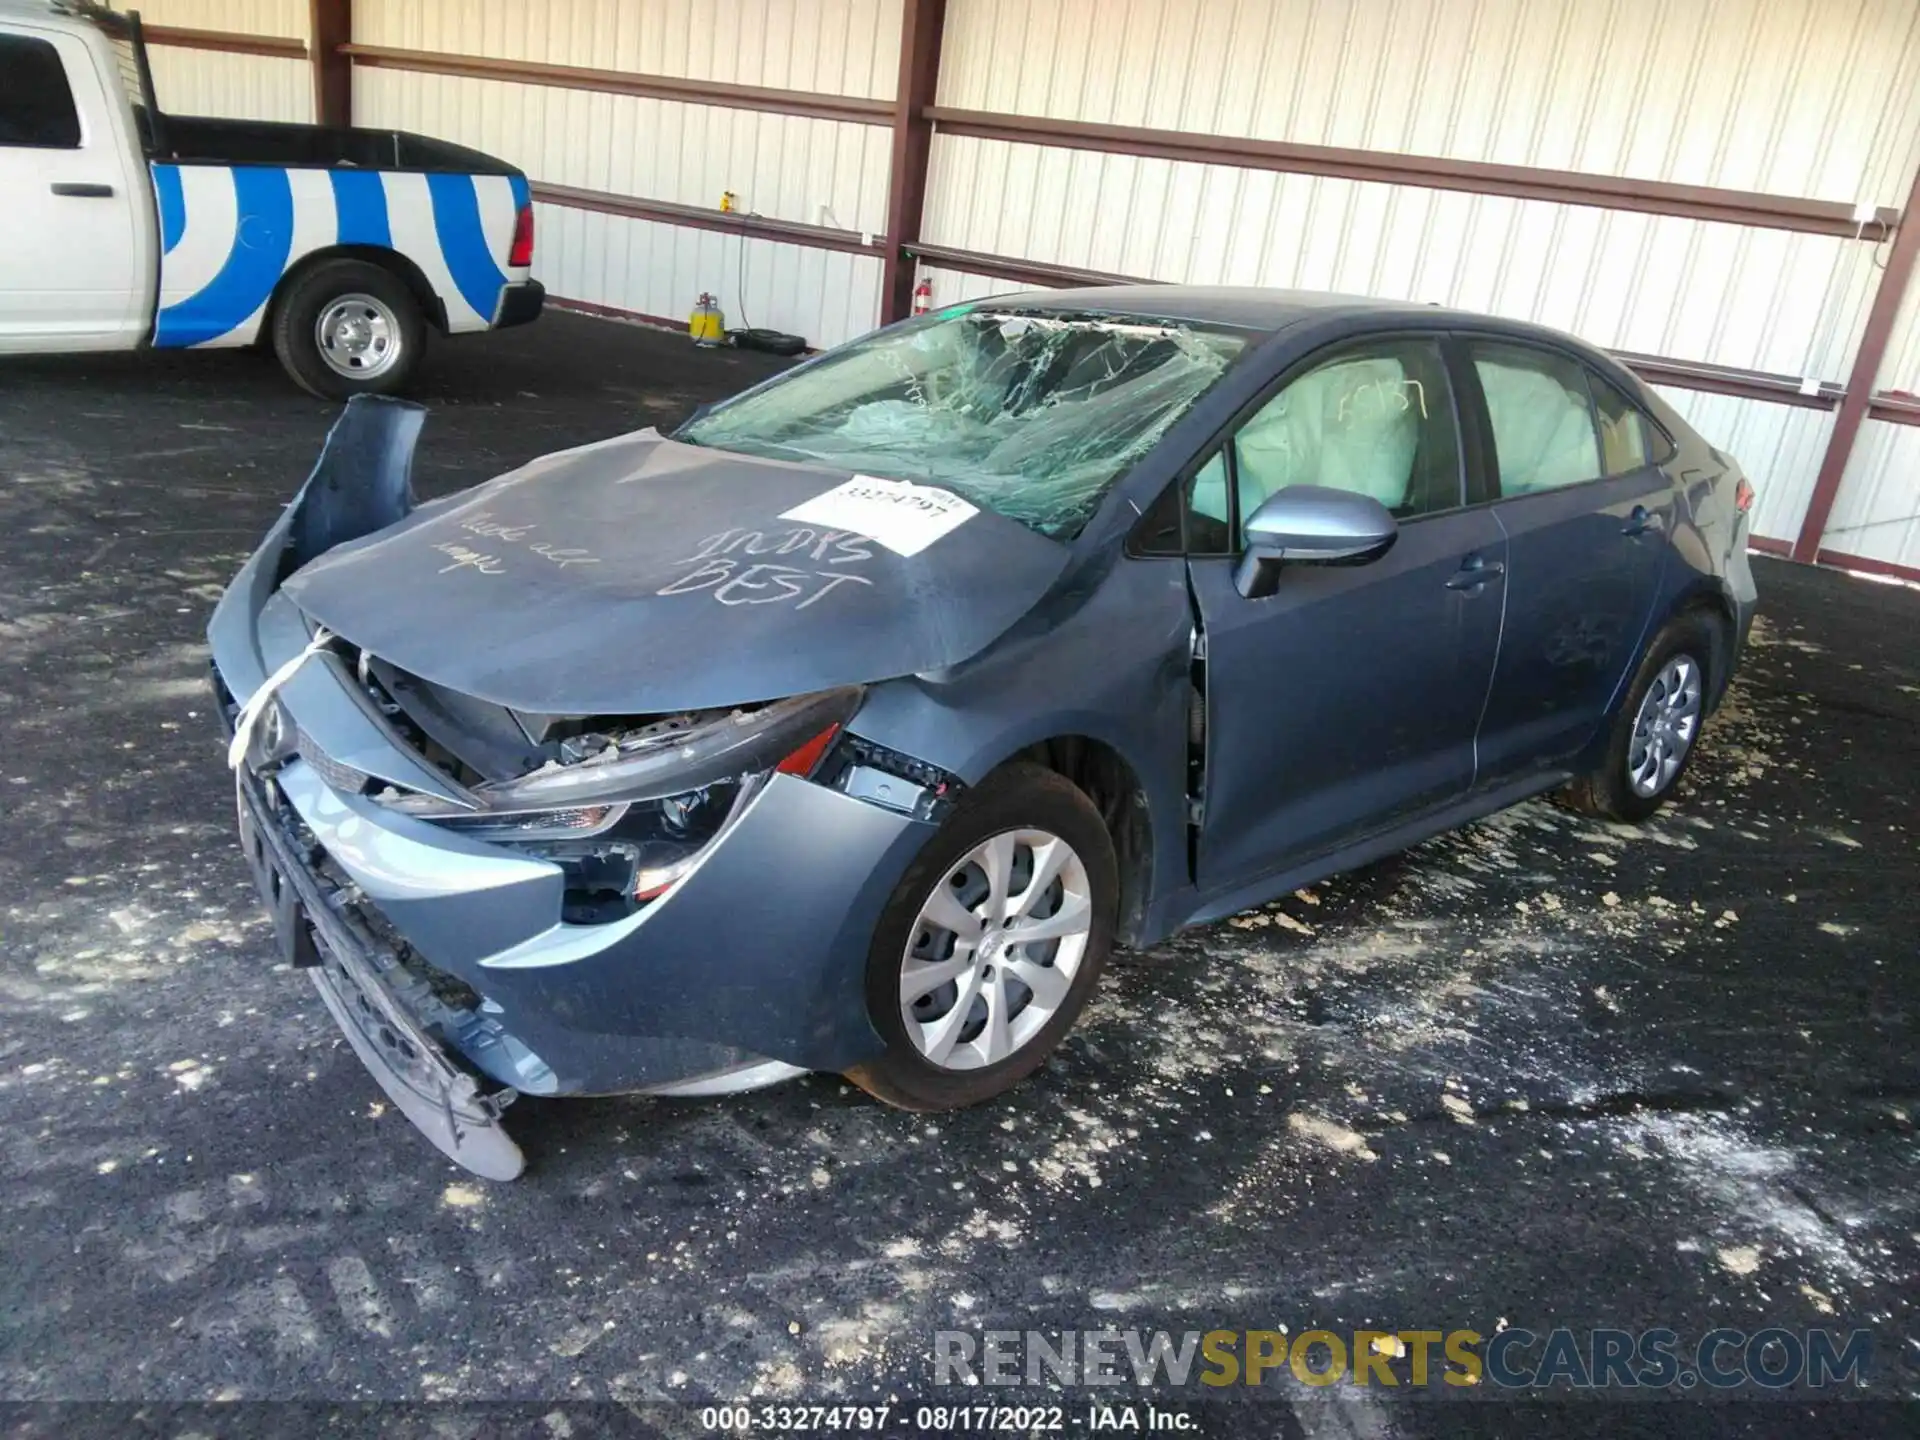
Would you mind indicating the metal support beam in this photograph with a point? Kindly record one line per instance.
(1430, 172)
(330, 24)
(851, 109)
(694, 217)
(180, 37)
(922, 23)
(1866, 372)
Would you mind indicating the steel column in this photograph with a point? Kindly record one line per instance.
(330, 24)
(922, 23)
(1866, 374)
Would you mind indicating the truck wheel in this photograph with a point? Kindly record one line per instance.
(991, 943)
(348, 328)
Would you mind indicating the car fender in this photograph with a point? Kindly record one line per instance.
(1109, 664)
(361, 483)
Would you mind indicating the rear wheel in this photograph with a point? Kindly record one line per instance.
(993, 940)
(348, 328)
(1654, 734)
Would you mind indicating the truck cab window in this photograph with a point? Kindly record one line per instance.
(36, 106)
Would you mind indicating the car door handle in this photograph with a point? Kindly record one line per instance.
(74, 190)
(1639, 521)
(1475, 572)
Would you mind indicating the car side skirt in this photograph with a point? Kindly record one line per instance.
(1185, 907)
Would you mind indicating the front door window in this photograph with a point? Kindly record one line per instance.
(1377, 419)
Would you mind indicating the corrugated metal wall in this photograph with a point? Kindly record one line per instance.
(659, 270)
(1688, 289)
(211, 82)
(835, 47)
(1877, 513)
(1798, 97)
(1819, 98)
(792, 168)
(1901, 368)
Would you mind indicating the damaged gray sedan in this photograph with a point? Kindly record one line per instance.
(851, 726)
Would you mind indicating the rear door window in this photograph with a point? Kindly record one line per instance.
(1625, 445)
(36, 104)
(1544, 431)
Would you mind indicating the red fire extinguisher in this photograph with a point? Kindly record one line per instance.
(923, 296)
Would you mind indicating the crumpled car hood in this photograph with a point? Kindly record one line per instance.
(640, 575)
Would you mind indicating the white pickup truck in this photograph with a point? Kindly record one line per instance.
(127, 228)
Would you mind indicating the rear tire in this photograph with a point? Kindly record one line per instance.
(951, 932)
(346, 328)
(1657, 729)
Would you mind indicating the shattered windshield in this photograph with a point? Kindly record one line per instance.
(1027, 414)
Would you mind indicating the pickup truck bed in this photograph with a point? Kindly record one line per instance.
(191, 138)
(229, 233)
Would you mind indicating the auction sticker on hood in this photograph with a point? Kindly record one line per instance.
(904, 517)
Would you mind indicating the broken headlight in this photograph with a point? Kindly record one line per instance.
(627, 814)
(658, 760)
(649, 848)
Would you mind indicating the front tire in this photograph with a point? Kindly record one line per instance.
(991, 944)
(1657, 729)
(348, 328)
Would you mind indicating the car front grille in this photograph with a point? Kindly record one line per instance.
(344, 778)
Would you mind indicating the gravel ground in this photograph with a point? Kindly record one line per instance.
(1542, 1072)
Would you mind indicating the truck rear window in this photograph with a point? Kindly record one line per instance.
(36, 107)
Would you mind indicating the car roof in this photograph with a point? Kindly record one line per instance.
(55, 14)
(1250, 307)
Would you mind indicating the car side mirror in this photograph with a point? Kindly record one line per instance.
(1311, 525)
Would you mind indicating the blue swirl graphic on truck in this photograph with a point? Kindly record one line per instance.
(229, 233)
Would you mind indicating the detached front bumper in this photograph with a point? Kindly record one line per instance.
(357, 978)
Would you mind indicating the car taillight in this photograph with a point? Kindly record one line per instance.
(520, 254)
(1742, 495)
